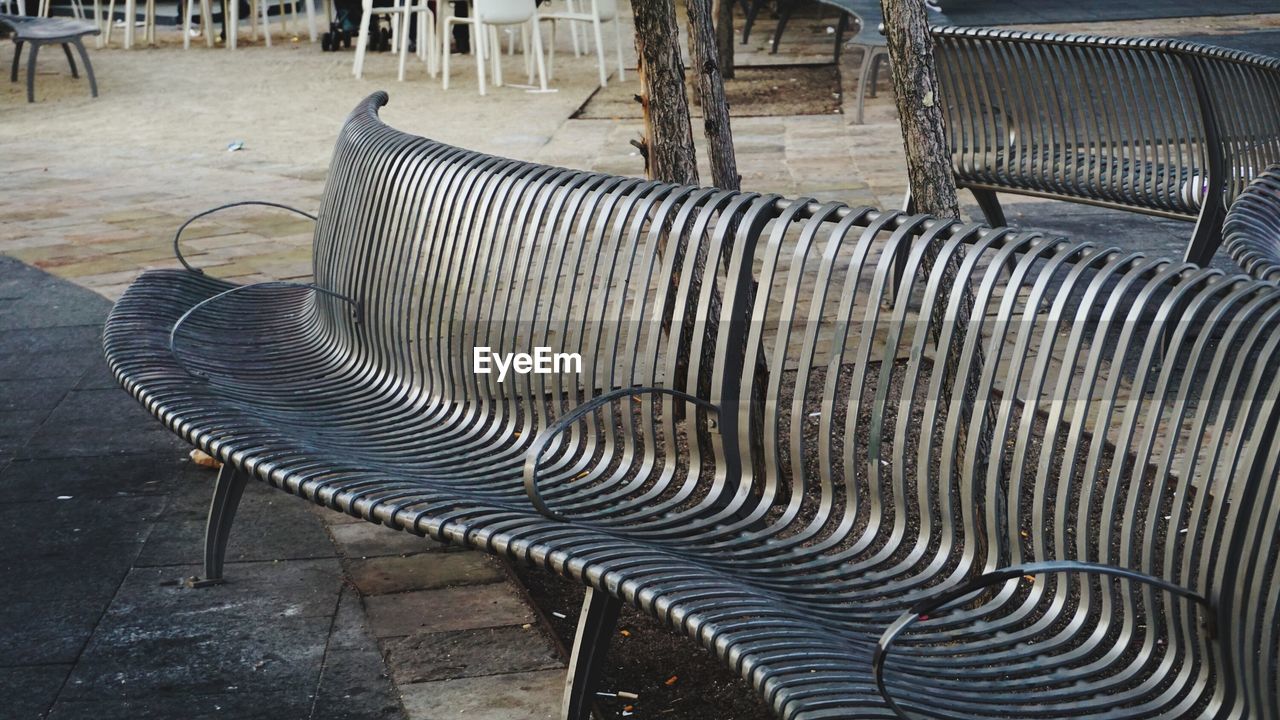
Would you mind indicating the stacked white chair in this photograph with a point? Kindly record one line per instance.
(401, 13)
(486, 17)
(594, 12)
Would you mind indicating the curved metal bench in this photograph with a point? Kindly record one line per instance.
(1163, 127)
(1251, 233)
(766, 449)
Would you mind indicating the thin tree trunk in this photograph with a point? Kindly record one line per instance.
(710, 85)
(933, 188)
(915, 85)
(725, 37)
(668, 146)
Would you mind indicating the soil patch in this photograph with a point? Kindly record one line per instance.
(761, 91)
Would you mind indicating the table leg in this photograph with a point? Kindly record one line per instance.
(311, 19)
(233, 23)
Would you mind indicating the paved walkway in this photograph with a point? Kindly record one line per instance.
(320, 612)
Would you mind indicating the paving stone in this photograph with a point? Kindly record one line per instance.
(382, 575)
(269, 525)
(29, 692)
(229, 704)
(365, 539)
(423, 657)
(475, 606)
(355, 686)
(31, 395)
(96, 477)
(52, 629)
(524, 696)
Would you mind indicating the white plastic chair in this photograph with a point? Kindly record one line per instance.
(595, 12)
(486, 17)
(399, 13)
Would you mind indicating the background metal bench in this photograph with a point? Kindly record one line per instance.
(37, 31)
(1163, 127)
(1251, 234)
(769, 449)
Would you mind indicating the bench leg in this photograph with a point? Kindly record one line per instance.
(1206, 238)
(17, 55)
(596, 626)
(222, 511)
(31, 72)
(88, 67)
(66, 49)
(990, 205)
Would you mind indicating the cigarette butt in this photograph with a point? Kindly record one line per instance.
(559, 615)
(628, 695)
(606, 694)
(672, 680)
(625, 633)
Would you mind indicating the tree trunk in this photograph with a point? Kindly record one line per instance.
(668, 146)
(710, 84)
(725, 37)
(915, 86)
(933, 187)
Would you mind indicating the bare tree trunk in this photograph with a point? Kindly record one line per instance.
(715, 108)
(933, 187)
(668, 146)
(725, 37)
(915, 86)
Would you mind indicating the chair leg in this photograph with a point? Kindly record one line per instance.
(785, 11)
(990, 205)
(595, 629)
(311, 19)
(617, 44)
(752, 11)
(537, 57)
(863, 73)
(206, 21)
(31, 72)
(66, 49)
(362, 44)
(479, 48)
(17, 55)
(88, 67)
(495, 55)
(227, 491)
(404, 43)
(444, 49)
(876, 59)
(186, 25)
(604, 71)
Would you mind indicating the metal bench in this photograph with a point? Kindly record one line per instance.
(1163, 127)
(768, 448)
(37, 31)
(1251, 233)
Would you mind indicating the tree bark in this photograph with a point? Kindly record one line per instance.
(668, 145)
(915, 85)
(725, 37)
(710, 85)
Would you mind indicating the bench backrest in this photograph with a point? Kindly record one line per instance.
(1082, 404)
(1146, 124)
(1067, 403)
(449, 250)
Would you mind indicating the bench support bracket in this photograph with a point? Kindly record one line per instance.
(596, 626)
(222, 511)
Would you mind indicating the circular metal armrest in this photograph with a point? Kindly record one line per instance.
(922, 609)
(356, 306)
(533, 457)
(177, 249)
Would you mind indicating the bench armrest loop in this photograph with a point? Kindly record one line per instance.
(923, 609)
(357, 309)
(533, 456)
(177, 237)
